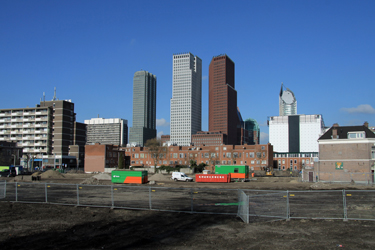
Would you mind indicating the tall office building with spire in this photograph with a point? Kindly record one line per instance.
(186, 102)
(144, 108)
(287, 102)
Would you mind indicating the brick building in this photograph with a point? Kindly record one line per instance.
(347, 153)
(103, 158)
(257, 157)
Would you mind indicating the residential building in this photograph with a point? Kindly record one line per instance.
(295, 133)
(107, 131)
(257, 157)
(45, 132)
(186, 101)
(287, 102)
(347, 153)
(144, 108)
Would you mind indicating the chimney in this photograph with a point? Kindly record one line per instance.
(365, 124)
(334, 131)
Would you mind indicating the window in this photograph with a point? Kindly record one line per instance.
(295, 161)
(251, 154)
(372, 152)
(356, 135)
(228, 155)
(263, 147)
(136, 155)
(236, 170)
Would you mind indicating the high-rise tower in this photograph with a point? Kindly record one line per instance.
(287, 102)
(223, 98)
(186, 102)
(144, 108)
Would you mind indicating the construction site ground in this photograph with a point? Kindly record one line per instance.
(45, 226)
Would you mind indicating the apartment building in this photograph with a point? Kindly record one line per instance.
(257, 157)
(45, 133)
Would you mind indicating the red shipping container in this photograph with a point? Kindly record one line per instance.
(212, 178)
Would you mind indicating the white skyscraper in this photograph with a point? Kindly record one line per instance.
(186, 102)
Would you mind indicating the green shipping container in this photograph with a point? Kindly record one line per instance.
(235, 171)
(128, 176)
(3, 168)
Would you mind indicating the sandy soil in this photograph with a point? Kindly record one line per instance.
(43, 226)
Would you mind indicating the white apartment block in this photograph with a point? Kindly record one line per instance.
(295, 133)
(186, 102)
(29, 127)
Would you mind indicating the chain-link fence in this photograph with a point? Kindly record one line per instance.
(3, 189)
(326, 204)
(249, 205)
(214, 201)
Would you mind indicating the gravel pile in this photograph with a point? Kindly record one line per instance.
(159, 177)
(51, 174)
(103, 176)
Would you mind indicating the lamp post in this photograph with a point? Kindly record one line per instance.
(14, 159)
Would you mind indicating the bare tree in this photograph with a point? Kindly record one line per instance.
(155, 149)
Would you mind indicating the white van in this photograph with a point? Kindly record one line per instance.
(180, 176)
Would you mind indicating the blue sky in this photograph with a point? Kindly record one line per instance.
(89, 50)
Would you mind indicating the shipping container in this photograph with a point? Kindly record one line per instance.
(212, 178)
(235, 171)
(128, 176)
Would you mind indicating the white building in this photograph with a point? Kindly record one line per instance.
(107, 131)
(295, 133)
(287, 102)
(186, 102)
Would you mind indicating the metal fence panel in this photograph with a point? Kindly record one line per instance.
(243, 206)
(215, 201)
(316, 204)
(360, 204)
(30, 192)
(131, 197)
(267, 204)
(3, 189)
(61, 193)
(94, 195)
(172, 199)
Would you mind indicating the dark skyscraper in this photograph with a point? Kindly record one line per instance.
(144, 108)
(223, 98)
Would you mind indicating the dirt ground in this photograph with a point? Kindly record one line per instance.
(44, 226)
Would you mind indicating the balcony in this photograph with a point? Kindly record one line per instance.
(14, 132)
(37, 138)
(13, 138)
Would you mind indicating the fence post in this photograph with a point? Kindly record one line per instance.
(287, 206)
(112, 199)
(77, 195)
(344, 205)
(149, 198)
(192, 200)
(16, 191)
(45, 192)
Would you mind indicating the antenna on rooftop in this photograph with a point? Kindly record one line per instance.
(54, 96)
